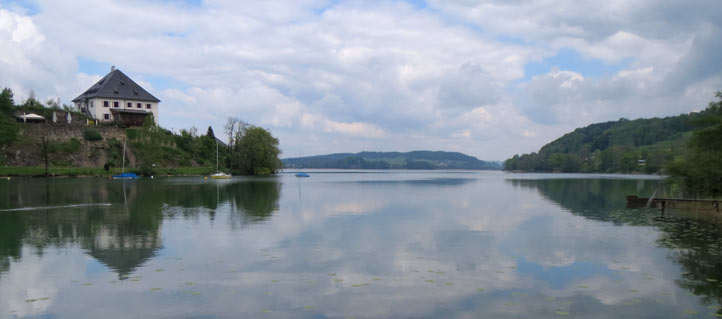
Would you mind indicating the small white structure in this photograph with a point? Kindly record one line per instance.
(117, 98)
(32, 118)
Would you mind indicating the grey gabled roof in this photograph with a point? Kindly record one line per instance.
(117, 85)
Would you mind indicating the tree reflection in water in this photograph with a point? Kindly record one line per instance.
(694, 239)
(125, 235)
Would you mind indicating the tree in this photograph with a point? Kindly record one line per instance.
(255, 152)
(700, 173)
(7, 105)
(234, 128)
(53, 104)
(210, 133)
(47, 149)
(8, 127)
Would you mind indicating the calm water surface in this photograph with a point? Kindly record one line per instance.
(353, 245)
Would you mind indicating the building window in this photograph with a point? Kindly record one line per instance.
(106, 104)
(147, 106)
(106, 116)
(91, 103)
(138, 105)
(130, 105)
(115, 104)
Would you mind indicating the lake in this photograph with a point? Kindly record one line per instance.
(387, 244)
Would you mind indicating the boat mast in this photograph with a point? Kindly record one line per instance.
(217, 171)
(123, 170)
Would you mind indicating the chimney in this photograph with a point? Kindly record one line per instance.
(112, 68)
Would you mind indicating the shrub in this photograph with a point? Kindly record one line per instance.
(131, 133)
(145, 170)
(92, 135)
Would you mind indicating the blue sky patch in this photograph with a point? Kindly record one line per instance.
(159, 82)
(329, 5)
(21, 6)
(568, 59)
(89, 66)
(420, 4)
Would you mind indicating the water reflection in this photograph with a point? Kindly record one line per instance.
(366, 245)
(592, 198)
(693, 239)
(126, 233)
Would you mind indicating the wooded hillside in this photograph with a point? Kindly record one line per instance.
(623, 146)
(392, 160)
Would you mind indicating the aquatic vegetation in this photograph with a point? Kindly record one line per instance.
(562, 313)
(37, 299)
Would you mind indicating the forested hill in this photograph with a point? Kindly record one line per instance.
(392, 160)
(623, 146)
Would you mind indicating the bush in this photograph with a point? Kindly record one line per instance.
(92, 135)
(145, 170)
(131, 133)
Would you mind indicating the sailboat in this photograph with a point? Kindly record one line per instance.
(218, 174)
(123, 174)
(299, 173)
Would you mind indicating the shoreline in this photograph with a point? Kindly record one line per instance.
(9, 172)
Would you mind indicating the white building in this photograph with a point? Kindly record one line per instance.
(118, 98)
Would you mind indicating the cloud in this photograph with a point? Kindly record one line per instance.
(31, 62)
(363, 70)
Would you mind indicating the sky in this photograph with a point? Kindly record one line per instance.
(486, 78)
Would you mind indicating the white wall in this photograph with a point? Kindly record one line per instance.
(98, 110)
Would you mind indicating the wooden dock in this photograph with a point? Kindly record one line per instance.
(662, 203)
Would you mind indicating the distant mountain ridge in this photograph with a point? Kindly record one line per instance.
(392, 160)
(623, 146)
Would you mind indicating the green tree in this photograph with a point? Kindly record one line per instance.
(255, 152)
(210, 133)
(8, 127)
(700, 173)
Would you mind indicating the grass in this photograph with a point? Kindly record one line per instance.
(97, 172)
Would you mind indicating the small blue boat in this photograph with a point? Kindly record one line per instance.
(126, 176)
(123, 174)
(302, 174)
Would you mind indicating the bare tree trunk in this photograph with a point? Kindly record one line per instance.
(44, 151)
